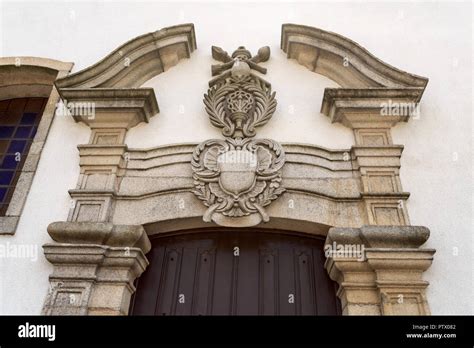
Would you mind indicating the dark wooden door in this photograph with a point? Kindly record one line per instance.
(235, 272)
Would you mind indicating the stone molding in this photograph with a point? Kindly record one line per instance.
(385, 278)
(114, 108)
(342, 60)
(381, 189)
(368, 84)
(363, 108)
(361, 184)
(110, 88)
(136, 61)
(25, 77)
(100, 233)
(95, 265)
(411, 237)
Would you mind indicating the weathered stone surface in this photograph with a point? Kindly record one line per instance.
(95, 265)
(112, 108)
(91, 279)
(8, 224)
(395, 236)
(386, 274)
(370, 108)
(357, 289)
(342, 60)
(138, 60)
(100, 233)
(21, 192)
(380, 236)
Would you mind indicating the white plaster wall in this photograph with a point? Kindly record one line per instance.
(432, 40)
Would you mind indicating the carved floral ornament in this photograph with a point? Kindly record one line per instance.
(238, 176)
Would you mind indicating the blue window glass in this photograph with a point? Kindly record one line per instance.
(17, 146)
(23, 132)
(18, 125)
(9, 162)
(6, 177)
(6, 132)
(3, 193)
(28, 118)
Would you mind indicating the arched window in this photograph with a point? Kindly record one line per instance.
(27, 107)
(19, 119)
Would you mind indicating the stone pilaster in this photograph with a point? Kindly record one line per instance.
(95, 265)
(357, 289)
(379, 269)
(111, 113)
(371, 113)
(96, 262)
(398, 276)
(381, 189)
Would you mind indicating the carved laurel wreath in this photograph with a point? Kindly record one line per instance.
(210, 189)
(258, 114)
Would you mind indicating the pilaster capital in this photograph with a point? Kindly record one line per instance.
(100, 233)
(106, 108)
(370, 107)
(387, 237)
(95, 265)
(381, 266)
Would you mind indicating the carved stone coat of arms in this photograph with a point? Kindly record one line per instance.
(238, 176)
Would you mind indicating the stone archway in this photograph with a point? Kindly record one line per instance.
(100, 250)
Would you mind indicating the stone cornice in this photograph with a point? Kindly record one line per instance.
(120, 108)
(100, 233)
(22, 77)
(371, 107)
(377, 267)
(374, 94)
(36, 62)
(297, 154)
(138, 60)
(380, 236)
(325, 52)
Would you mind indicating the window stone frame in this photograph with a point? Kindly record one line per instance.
(29, 77)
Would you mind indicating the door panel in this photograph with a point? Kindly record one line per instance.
(274, 273)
